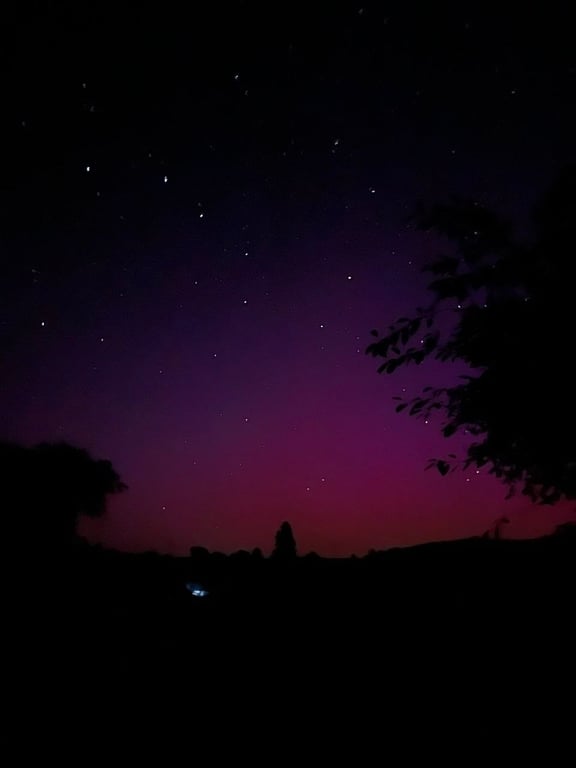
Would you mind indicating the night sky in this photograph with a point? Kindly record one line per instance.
(203, 217)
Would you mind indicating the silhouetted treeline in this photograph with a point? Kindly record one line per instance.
(189, 604)
(103, 598)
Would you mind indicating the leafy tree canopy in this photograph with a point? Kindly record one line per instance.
(47, 487)
(514, 328)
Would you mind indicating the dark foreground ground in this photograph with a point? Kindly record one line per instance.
(474, 630)
(488, 597)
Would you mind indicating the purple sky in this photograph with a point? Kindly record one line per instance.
(198, 244)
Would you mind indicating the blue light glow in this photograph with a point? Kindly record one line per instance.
(196, 590)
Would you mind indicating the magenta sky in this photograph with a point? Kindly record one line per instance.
(288, 421)
(197, 243)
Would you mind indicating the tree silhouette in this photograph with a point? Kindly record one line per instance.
(566, 530)
(514, 328)
(48, 487)
(498, 527)
(285, 548)
(199, 554)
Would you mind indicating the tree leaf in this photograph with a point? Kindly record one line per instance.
(514, 397)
